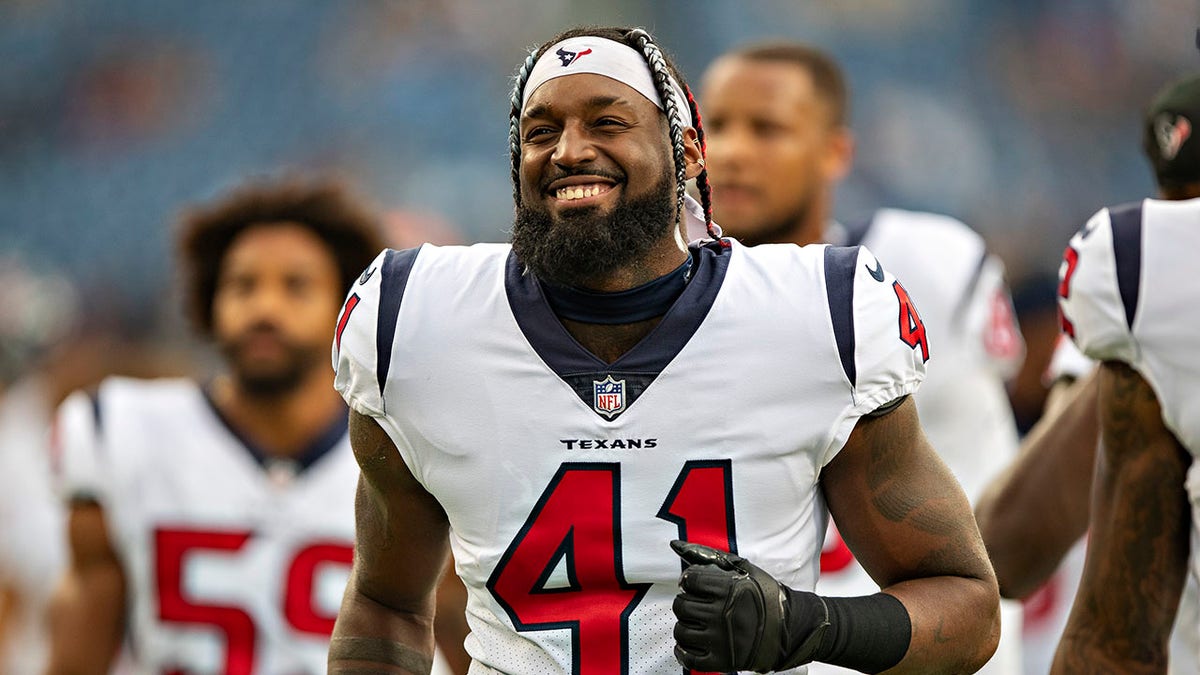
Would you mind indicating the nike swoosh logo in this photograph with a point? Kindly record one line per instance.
(367, 275)
(877, 273)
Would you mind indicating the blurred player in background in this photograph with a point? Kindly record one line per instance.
(49, 347)
(778, 144)
(32, 550)
(1034, 515)
(1129, 300)
(214, 519)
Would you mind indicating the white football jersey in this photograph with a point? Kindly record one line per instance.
(963, 404)
(1128, 295)
(234, 563)
(565, 478)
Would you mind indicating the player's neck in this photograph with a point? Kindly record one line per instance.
(283, 424)
(810, 231)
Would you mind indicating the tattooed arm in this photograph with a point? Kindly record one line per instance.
(908, 522)
(1138, 547)
(385, 625)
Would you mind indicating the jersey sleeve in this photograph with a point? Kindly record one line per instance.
(1066, 363)
(366, 329)
(881, 338)
(1098, 284)
(991, 321)
(77, 452)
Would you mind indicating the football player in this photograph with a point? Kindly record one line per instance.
(214, 519)
(776, 116)
(1034, 515)
(546, 403)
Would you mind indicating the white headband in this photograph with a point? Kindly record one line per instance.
(601, 56)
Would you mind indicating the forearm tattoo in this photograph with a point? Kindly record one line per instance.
(1139, 532)
(363, 656)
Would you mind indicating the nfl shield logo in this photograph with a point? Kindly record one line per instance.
(609, 396)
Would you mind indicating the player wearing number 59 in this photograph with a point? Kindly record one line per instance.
(567, 406)
(214, 519)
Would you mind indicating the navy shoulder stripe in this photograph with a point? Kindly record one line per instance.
(97, 417)
(839, 286)
(964, 302)
(1127, 250)
(397, 265)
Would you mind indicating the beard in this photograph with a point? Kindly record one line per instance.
(585, 244)
(269, 378)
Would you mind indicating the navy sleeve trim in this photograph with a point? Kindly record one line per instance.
(1127, 251)
(397, 265)
(964, 302)
(839, 286)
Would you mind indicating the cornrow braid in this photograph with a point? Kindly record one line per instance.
(702, 178)
(662, 84)
(514, 122)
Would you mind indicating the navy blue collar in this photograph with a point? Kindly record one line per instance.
(564, 355)
(317, 448)
(640, 303)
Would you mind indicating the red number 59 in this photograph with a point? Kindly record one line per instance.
(172, 547)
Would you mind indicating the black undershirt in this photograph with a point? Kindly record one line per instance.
(640, 303)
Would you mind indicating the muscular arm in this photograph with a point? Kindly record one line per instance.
(908, 522)
(1033, 513)
(450, 626)
(87, 613)
(1138, 547)
(386, 621)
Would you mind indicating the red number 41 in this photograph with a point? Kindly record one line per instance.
(576, 525)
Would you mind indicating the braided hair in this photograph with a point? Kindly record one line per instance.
(662, 69)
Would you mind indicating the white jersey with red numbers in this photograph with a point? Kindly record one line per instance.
(1128, 294)
(234, 564)
(963, 406)
(565, 478)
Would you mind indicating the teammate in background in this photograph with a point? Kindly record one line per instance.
(1037, 511)
(215, 519)
(32, 550)
(49, 349)
(778, 144)
(544, 402)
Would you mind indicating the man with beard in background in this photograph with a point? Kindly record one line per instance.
(214, 519)
(576, 406)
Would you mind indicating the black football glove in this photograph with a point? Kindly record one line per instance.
(732, 615)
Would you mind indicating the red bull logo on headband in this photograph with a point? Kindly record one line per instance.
(568, 57)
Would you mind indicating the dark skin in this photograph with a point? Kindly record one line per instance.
(1138, 547)
(1032, 514)
(905, 516)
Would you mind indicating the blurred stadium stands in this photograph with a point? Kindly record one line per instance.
(1019, 117)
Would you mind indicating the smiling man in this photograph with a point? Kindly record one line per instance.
(545, 404)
